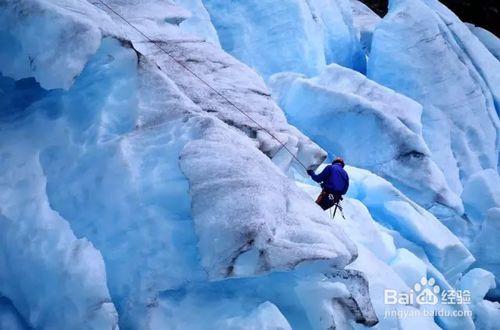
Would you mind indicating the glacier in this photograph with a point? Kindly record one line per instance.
(470, 142)
(369, 124)
(133, 202)
(135, 196)
(364, 21)
(393, 254)
(297, 35)
(489, 40)
(460, 119)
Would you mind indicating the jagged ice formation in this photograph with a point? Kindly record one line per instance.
(134, 196)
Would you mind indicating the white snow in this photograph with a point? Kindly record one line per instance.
(399, 214)
(266, 317)
(410, 268)
(478, 282)
(381, 277)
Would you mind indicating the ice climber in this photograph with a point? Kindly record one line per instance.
(334, 181)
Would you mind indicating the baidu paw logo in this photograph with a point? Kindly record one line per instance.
(427, 291)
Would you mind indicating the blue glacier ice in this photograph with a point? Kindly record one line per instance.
(484, 246)
(105, 167)
(394, 251)
(9, 317)
(364, 21)
(460, 119)
(133, 195)
(460, 98)
(479, 281)
(489, 40)
(198, 22)
(298, 35)
(368, 124)
(395, 211)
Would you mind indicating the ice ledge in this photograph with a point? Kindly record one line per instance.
(249, 217)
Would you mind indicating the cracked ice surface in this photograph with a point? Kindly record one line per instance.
(135, 195)
(489, 40)
(298, 35)
(460, 96)
(370, 125)
(271, 226)
(456, 79)
(101, 158)
(394, 252)
(365, 21)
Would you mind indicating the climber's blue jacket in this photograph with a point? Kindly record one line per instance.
(333, 178)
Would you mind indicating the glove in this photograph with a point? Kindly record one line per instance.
(310, 172)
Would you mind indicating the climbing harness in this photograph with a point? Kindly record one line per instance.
(283, 146)
(327, 201)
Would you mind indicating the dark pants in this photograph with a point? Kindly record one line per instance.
(327, 199)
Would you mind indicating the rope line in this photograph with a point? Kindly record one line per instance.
(283, 146)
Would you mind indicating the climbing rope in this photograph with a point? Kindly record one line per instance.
(283, 146)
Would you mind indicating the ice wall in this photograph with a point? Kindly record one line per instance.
(367, 124)
(456, 79)
(275, 36)
(29, 27)
(396, 251)
(199, 22)
(9, 316)
(489, 40)
(365, 21)
(95, 151)
(422, 50)
(135, 195)
(253, 223)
